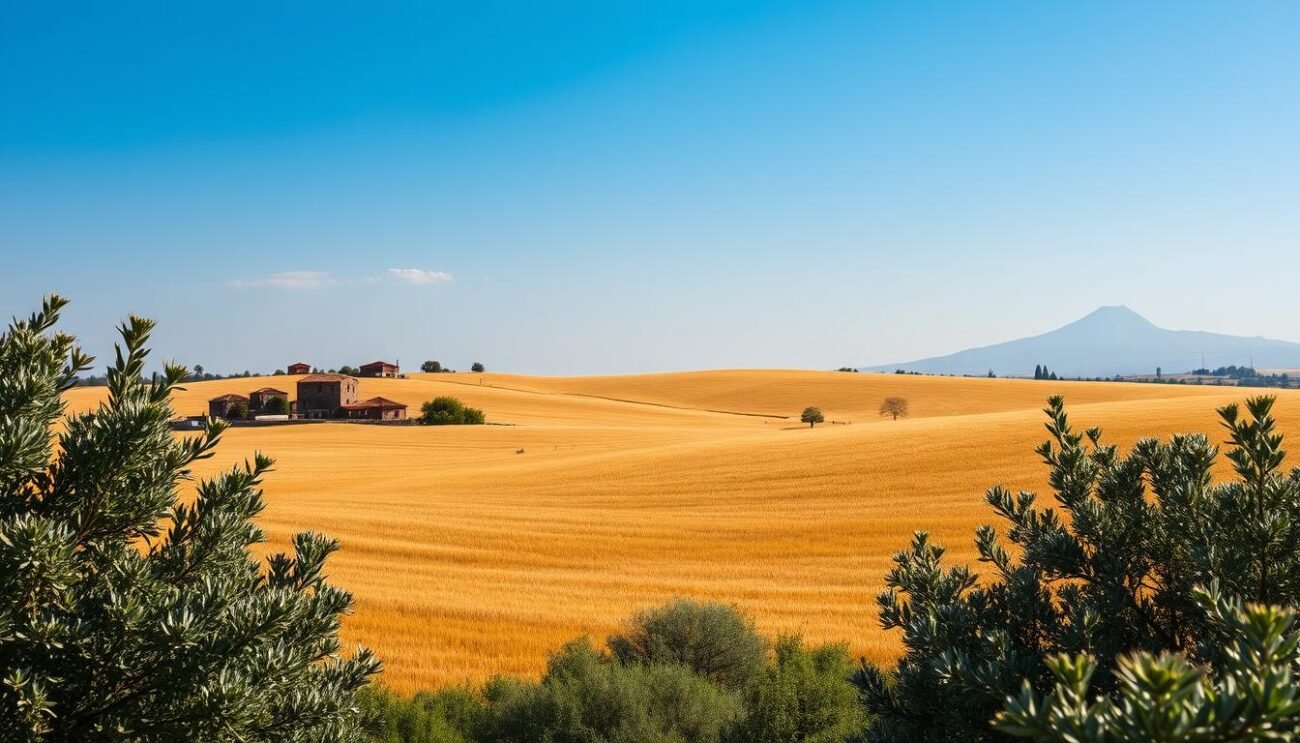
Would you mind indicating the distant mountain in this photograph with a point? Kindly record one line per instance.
(1110, 341)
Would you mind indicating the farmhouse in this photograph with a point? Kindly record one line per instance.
(379, 369)
(376, 408)
(258, 399)
(299, 368)
(219, 407)
(325, 395)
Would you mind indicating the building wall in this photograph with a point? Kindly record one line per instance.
(325, 399)
(376, 414)
(220, 408)
(256, 402)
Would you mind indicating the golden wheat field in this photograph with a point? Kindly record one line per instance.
(473, 551)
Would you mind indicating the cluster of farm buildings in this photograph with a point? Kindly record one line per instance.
(318, 396)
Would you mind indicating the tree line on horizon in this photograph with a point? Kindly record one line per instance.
(1143, 601)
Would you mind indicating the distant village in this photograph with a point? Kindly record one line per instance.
(318, 396)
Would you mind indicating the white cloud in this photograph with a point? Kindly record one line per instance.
(287, 280)
(317, 279)
(418, 276)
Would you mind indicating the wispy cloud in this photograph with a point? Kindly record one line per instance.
(287, 280)
(317, 279)
(418, 276)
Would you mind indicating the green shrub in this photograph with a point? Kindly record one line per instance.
(1164, 699)
(128, 613)
(586, 698)
(449, 411)
(446, 716)
(1113, 572)
(713, 640)
(276, 406)
(803, 696)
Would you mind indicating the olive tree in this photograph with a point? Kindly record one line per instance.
(812, 416)
(129, 611)
(713, 640)
(1113, 568)
(1165, 699)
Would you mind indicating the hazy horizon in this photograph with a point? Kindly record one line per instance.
(585, 189)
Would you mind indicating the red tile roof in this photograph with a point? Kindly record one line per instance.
(229, 398)
(378, 363)
(375, 402)
(269, 391)
(325, 378)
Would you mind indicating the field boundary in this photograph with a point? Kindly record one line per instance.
(606, 398)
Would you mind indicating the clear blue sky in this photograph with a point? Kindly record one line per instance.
(603, 187)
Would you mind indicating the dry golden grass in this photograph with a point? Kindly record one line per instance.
(467, 559)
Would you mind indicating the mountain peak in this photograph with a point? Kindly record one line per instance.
(1108, 341)
(1114, 315)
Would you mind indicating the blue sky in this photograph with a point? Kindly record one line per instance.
(615, 187)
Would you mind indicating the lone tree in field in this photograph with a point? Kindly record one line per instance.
(129, 612)
(432, 367)
(478, 367)
(893, 406)
(812, 416)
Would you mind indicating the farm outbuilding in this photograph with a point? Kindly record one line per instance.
(219, 407)
(258, 399)
(379, 369)
(376, 408)
(325, 395)
(299, 368)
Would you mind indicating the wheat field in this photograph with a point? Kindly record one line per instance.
(473, 551)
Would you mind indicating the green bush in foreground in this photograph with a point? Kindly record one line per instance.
(446, 716)
(588, 696)
(1160, 699)
(1114, 572)
(712, 640)
(112, 629)
(449, 411)
(802, 696)
(585, 698)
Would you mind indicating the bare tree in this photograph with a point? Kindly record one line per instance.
(895, 406)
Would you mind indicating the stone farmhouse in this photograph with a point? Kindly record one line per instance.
(379, 369)
(219, 407)
(258, 399)
(324, 395)
(320, 396)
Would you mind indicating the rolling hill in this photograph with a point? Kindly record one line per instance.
(1110, 341)
(477, 550)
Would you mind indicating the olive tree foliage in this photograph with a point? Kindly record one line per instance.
(802, 696)
(812, 416)
(128, 612)
(276, 406)
(585, 697)
(1111, 569)
(1252, 697)
(713, 640)
(450, 411)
